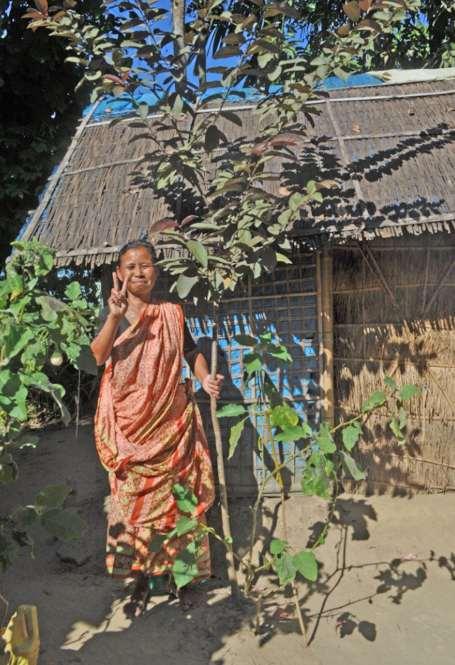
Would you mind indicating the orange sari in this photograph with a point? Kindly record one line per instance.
(149, 436)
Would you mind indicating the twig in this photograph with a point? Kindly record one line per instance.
(342, 570)
(225, 517)
(6, 603)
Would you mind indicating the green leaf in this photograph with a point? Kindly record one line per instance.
(325, 439)
(231, 411)
(264, 59)
(281, 353)
(408, 391)
(294, 433)
(227, 52)
(252, 362)
(25, 516)
(5, 376)
(53, 496)
(184, 569)
(306, 564)
(234, 436)
(185, 284)
(46, 261)
(177, 107)
(56, 391)
(285, 569)
(142, 110)
(185, 498)
(157, 541)
(396, 429)
(315, 477)
(232, 117)
(48, 312)
(20, 401)
(8, 468)
(199, 252)
(351, 435)
(213, 138)
(402, 418)
(374, 401)
(352, 467)
(86, 362)
(15, 340)
(278, 546)
(185, 525)
(282, 258)
(73, 290)
(390, 383)
(64, 524)
(15, 286)
(284, 416)
(296, 200)
(246, 340)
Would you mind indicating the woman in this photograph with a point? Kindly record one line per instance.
(148, 430)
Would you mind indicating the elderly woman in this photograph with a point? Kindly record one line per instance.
(148, 430)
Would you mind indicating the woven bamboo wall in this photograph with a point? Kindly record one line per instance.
(394, 313)
(284, 303)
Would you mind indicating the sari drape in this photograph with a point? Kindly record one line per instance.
(149, 436)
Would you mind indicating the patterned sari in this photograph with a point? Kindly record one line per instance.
(149, 436)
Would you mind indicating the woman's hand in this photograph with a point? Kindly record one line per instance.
(213, 386)
(118, 301)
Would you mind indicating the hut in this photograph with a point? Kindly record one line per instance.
(370, 292)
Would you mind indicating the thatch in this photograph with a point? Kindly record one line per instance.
(409, 333)
(393, 145)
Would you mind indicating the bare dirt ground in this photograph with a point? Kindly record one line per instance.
(386, 593)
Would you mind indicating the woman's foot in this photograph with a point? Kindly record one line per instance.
(139, 597)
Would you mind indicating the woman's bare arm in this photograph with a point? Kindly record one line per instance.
(102, 344)
(202, 374)
(118, 304)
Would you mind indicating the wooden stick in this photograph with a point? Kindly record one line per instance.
(327, 382)
(447, 272)
(373, 265)
(373, 359)
(371, 226)
(345, 158)
(225, 517)
(425, 284)
(373, 289)
(330, 139)
(348, 247)
(320, 321)
(422, 460)
(312, 102)
(106, 165)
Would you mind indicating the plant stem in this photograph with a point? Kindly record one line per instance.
(225, 517)
(295, 593)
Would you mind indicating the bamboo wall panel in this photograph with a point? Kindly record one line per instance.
(410, 341)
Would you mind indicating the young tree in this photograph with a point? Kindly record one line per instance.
(223, 210)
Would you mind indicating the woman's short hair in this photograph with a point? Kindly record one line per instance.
(135, 244)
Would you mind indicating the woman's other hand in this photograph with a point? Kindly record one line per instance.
(213, 386)
(118, 300)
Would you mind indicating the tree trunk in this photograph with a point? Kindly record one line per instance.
(178, 25)
(225, 518)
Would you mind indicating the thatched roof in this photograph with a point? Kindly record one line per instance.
(393, 143)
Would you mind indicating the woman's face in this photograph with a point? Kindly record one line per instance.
(137, 264)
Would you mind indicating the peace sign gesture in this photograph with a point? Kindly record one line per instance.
(118, 301)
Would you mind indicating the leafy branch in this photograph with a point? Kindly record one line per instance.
(38, 331)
